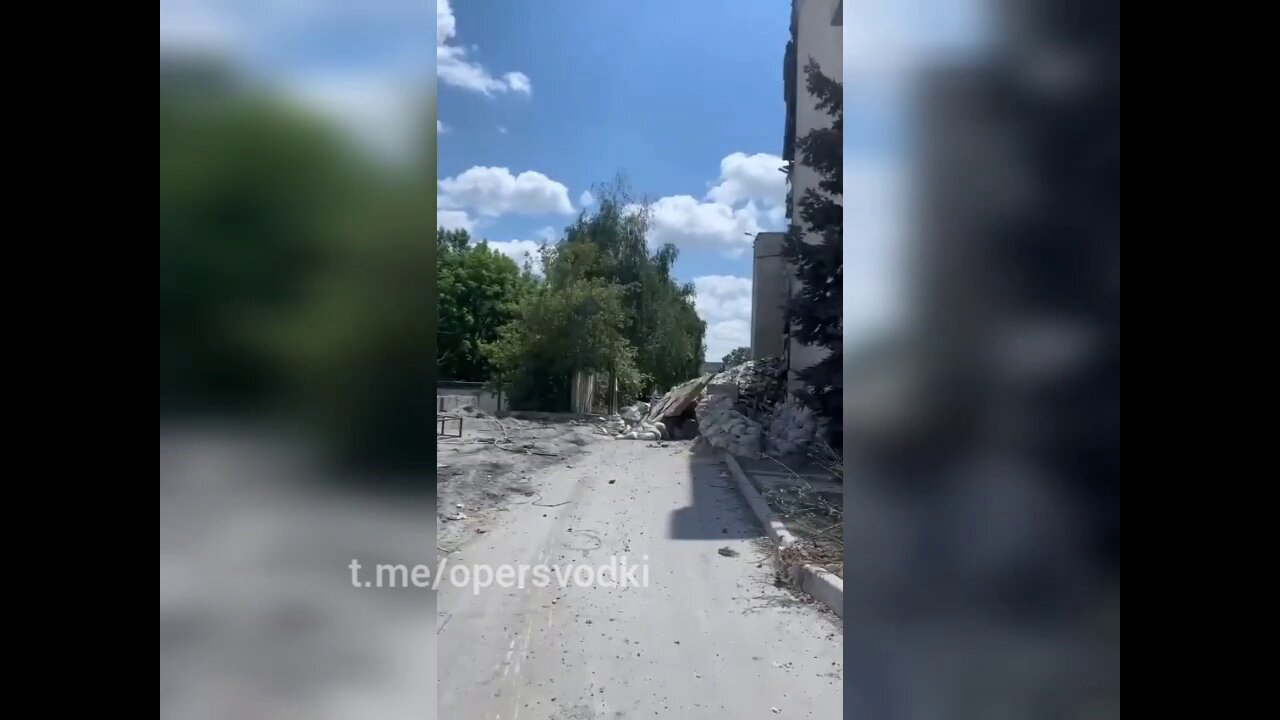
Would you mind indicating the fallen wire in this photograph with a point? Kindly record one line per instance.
(524, 451)
(535, 503)
(503, 428)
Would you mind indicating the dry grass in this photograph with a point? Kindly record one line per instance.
(816, 522)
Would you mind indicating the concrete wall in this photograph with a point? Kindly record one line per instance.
(769, 287)
(451, 398)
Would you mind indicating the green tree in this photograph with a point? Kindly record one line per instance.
(737, 356)
(563, 328)
(478, 291)
(607, 304)
(610, 245)
(815, 314)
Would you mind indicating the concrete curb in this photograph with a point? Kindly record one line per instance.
(778, 532)
(825, 587)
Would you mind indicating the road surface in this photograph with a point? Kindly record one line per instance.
(711, 636)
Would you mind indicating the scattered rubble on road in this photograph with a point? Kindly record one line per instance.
(495, 460)
(741, 410)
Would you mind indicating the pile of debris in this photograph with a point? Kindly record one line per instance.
(723, 425)
(636, 424)
(741, 410)
(670, 418)
(739, 401)
(760, 382)
(791, 427)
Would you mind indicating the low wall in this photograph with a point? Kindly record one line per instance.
(453, 398)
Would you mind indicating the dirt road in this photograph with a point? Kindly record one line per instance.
(710, 636)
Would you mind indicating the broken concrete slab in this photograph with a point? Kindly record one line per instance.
(678, 399)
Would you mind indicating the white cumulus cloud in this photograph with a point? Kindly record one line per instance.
(496, 191)
(518, 82)
(586, 198)
(745, 177)
(724, 302)
(749, 197)
(690, 223)
(453, 67)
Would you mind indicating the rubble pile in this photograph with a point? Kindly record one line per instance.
(724, 408)
(791, 428)
(723, 426)
(612, 424)
(761, 383)
(634, 424)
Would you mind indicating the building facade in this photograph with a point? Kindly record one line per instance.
(770, 288)
(817, 33)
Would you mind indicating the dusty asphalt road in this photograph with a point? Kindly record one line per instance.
(710, 637)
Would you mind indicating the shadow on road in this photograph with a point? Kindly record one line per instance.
(717, 511)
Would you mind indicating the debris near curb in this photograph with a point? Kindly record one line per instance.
(724, 427)
(792, 428)
(819, 583)
(730, 409)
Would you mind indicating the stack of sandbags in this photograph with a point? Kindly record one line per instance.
(724, 427)
(637, 427)
(791, 429)
(613, 424)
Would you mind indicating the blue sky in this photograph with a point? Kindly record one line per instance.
(685, 99)
(539, 101)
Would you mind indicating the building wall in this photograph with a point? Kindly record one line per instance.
(819, 39)
(819, 34)
(768, 296)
